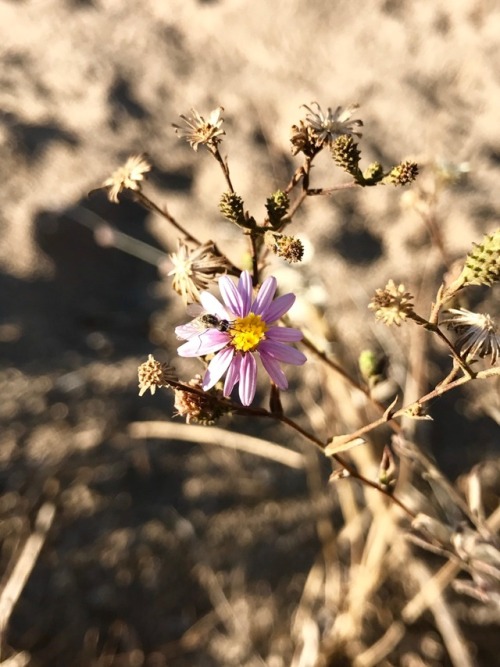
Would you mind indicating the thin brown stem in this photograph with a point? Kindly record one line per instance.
(255, 258)
(435, 393)
(458, 359)
(350, 469)
(261, 412)
(432, 326)
(151, 206)
(307, 342)
(224, 166)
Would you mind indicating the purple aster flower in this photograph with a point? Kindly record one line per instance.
(237, 329)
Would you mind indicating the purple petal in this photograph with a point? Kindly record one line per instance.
(282, 352)
(284, 334)
(203, 343)
(233, 375)
(212, 305)
(274, 371)
(265, 296)
(279, 307)
(217, 367)
(245, 288)
(248, 378)
(231, 296)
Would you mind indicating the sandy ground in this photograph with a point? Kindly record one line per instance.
(86, 83)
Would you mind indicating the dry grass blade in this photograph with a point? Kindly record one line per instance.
(342, 443)
(215, 436)
(19, 660)
(25, 563)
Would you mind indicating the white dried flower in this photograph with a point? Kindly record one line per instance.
(201, 131)
(477, 333)
(127, 177)
(332, 124)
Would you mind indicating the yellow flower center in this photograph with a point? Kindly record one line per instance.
(247, 332)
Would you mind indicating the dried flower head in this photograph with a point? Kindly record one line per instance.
(127, 177)
(477, 334)
(199, 408)
(153, 374)
(288, 248)
(303, 140)
(332, 124)
(194, 270)
(393, 304)
(201, 131)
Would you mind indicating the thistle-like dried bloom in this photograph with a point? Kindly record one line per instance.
(482, 266)
(194, 270)
(477, 334)
(303, 140)
(403, 173)
(199, 408)
(328, 126)
(393, 304)
(127, 177)
(288, 248)
(201, 131)
(153, 374)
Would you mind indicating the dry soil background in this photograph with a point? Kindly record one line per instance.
(85, 83)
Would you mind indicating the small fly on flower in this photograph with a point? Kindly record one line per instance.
(208, 321)
(204, 321)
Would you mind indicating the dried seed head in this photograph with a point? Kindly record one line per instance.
(153, 374)
(195, 270)
(127, 177)
(288, 248)
(303, 140)
(393, 304)
(199, 408)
